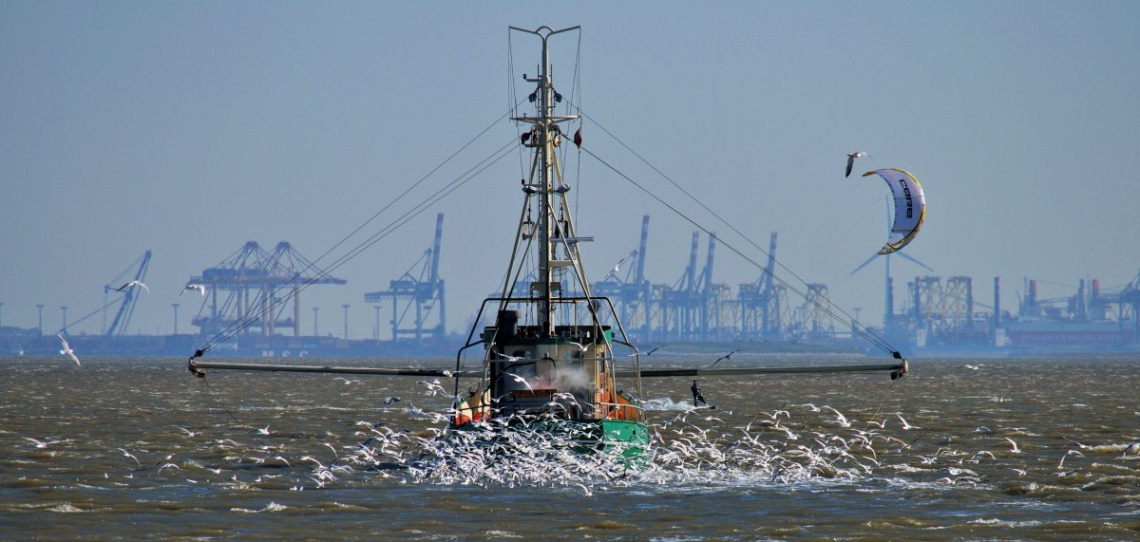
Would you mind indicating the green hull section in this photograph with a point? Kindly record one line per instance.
(629, 438)
(626, 438)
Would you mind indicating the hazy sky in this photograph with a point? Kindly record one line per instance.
(190, 128)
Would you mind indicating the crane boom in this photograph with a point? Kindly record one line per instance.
(122, 319)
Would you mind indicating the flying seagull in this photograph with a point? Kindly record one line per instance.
(617, 266)
(519, 379)
(726, 356)
(130, 455)
(46, 443)
(906, 426)
(67, 351)
(132, 284)
(649, 353)
(851, 160)
(201, 288)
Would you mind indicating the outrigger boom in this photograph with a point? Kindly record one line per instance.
(896, 370)
(196, 367)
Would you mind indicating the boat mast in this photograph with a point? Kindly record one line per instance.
(546, 131)
(544, 156)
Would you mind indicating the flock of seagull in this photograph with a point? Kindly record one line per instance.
(776, 447)
(794, 444)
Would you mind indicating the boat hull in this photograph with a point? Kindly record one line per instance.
(627, 439)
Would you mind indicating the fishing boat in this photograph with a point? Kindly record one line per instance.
(554, 357)
(548, 358)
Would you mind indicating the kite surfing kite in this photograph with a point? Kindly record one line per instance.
(910, 207)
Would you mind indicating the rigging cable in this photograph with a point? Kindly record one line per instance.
(575, 103)
(867, 334)
(862, 331)
(90, 314)
(300, 284)
(215, 398)
(384, 232)
(240, 324)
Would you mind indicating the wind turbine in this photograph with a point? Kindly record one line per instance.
(889, 301)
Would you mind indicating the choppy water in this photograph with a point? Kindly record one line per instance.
(1025, 449)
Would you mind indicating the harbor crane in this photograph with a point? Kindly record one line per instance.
(122, 319)
(420, 293)
(254, 286)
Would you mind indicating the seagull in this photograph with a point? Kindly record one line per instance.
(264, 431)
(67, 351)
(839, 417)
(200, 287)
(390, 400)
(905, 426)
(519, 379)
(726, 356)
(132, 284)
(881, 424)
(1061, 463)
(617, 266)
(46, 443)
(1015, 449)
(1079, 445)
(983, 452)
(851, 160)
(649, 353)
(434, 387)
(130, 455)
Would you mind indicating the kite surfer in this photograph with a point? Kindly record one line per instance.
(697, 396)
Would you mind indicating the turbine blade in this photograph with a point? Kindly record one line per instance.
(914, 261)
(864, 264)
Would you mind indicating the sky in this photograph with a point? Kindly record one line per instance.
(190, 128)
